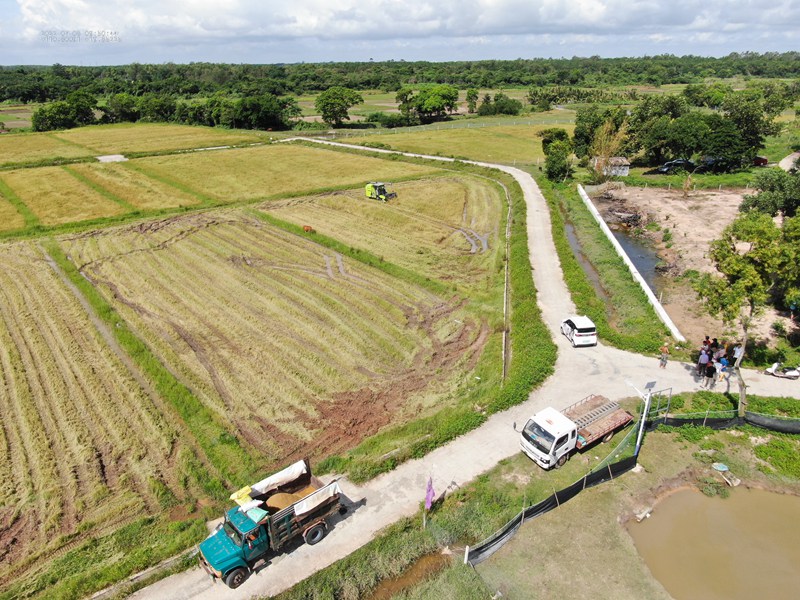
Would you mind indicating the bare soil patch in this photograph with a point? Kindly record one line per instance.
(693, 220)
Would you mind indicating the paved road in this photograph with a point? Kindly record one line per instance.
(398, 494)
(788, 162)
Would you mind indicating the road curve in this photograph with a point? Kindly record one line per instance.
(392, 496)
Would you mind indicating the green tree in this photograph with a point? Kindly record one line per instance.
(503, 105)
(265, 112)
(435, 102)
(749, 112)
(56, 115)
(556, 162)
(778, 193)
(789, 281)
(121, 108)
(724, 141)
(487, 106)
(588, 122)
(221, 110)
(82, 105)
(686, 135)
(747, 258)
(156, 107)
(553, 134)
(334, 103)
(472, 100)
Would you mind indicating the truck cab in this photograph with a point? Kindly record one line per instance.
(548, 438)
(236, 544)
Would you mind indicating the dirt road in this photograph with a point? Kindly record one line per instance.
(398, 494)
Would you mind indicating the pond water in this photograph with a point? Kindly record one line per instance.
(741, 547)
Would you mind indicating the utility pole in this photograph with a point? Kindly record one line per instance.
(646, 397)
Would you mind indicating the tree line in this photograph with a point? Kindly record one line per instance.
(264, 111)
(723, 127)
(56, 82)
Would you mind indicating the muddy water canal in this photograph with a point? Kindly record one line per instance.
(741, 547)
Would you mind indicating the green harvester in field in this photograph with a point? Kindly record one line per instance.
(377, 191)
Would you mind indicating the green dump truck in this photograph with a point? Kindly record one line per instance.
(270, 513)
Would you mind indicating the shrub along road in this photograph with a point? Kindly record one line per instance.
(399, 493)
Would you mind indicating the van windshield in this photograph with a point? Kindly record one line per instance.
(537, 436)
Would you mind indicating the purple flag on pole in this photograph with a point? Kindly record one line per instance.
(429, 494)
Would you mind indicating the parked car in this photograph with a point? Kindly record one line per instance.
(579, 330)
(679, 164)
(760, 161)
(714, 164)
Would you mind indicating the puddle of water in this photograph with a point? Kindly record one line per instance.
(424, 568)
(742, 547)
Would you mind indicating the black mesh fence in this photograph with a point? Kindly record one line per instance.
(610, 470)
(605, 472)
(770, 422)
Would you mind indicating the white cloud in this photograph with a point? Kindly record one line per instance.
(245, 30)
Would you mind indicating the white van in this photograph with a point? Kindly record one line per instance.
(579, 330)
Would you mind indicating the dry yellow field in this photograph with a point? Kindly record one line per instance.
(300, 349)
(57, 197)
(140, 191)
(30, 147)
(84, 449)
(10, 219)
(436, 226)
(506, 144)
(252, 173)
(153, 137)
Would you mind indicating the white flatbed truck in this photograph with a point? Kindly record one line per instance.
(550, 437)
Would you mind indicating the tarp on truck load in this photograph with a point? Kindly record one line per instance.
(288, 475)
(312, 501)
(291, 473)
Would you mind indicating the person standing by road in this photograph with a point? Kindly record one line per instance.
(738, 351)
(723, 368)
(710, 372)
(702, 362)
(662, 363)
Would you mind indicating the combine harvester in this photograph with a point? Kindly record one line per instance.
(377, 191)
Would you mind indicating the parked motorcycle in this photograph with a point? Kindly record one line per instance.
(778, 370)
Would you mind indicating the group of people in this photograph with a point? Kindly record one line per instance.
(716, 361)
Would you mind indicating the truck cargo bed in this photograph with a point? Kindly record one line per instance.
(595, 416)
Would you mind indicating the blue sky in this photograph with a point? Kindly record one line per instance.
(87, 32)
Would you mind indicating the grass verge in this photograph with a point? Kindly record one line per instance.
(100, 562)
(632, 324)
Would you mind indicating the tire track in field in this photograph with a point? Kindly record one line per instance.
(184, 434)
(473, 238)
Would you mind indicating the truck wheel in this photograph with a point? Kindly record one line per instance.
(560, 462)
(315, 534)
(607, 437)
(236, 578)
